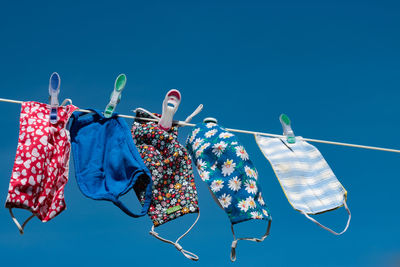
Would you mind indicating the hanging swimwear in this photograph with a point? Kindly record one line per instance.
(174, 191)
(308, 182)
(225, 166)
(107, 163)
(41, 164)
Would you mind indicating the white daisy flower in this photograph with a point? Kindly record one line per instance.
(217, 185)
(251, 203)
(205, 175)
(219, 148)
(225, 200)
(265, 213)
(214, 166)
(211, 133)
(261, 200)
(201, 149)
(210, 125)
(256, 215)
(251, 187)
(198, 153)
(241, 152)
(205, 145)
(255, 174)
(197, 143)
(235, 184)
(249, 171)
(228, 167)
(201, 164)
(225, 135)
(194, 133)
(243, 205)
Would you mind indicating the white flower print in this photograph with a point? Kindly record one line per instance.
(201, 164)
(190, 139)
(251, 187)
(205, 175)
(211, 133)
(219, 148)
(250, 202)
(225, 135)
(194, 133)
(235, 184)
(204, 146)
(217, 185)
(256, 215)
(243, 205)
(197, 143)
(210, 125)
(241, 152)
(265, 213)
(228, 167)
(225, 200)
(255, 174)
(201, 149)
(214, 166)
(234, 143)
(198, 153)
(261, 200)
(247, 169)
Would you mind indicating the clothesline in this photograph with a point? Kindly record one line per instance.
(182, 123)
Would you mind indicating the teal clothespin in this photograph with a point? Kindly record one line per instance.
(54, 90)
(119, 85)
(287, 128)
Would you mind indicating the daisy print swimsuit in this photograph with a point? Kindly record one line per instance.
(223, 163)
(40, 169)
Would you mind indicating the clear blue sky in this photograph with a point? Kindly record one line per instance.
(333, 67)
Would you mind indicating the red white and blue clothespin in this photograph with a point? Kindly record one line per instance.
(170, 106)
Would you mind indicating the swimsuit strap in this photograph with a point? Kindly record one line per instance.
(21, 228)
(235, 240)
(186, 253)
(328, 229)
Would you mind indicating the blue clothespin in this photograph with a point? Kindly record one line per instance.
(54, 90)
(119, 85)
(287, 128)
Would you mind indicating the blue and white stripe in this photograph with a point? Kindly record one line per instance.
(306, 178)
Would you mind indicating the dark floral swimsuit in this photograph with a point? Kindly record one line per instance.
(174, 190)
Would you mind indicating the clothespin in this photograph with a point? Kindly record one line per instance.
(54, 90)
(210, 119)
(287, 129)
(119, 85)
(170, 106)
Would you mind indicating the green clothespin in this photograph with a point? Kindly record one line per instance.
(119, 85)
(287, 128)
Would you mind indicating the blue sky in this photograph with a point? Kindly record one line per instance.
(333, 67)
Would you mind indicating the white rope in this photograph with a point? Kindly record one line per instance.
(182, 123)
